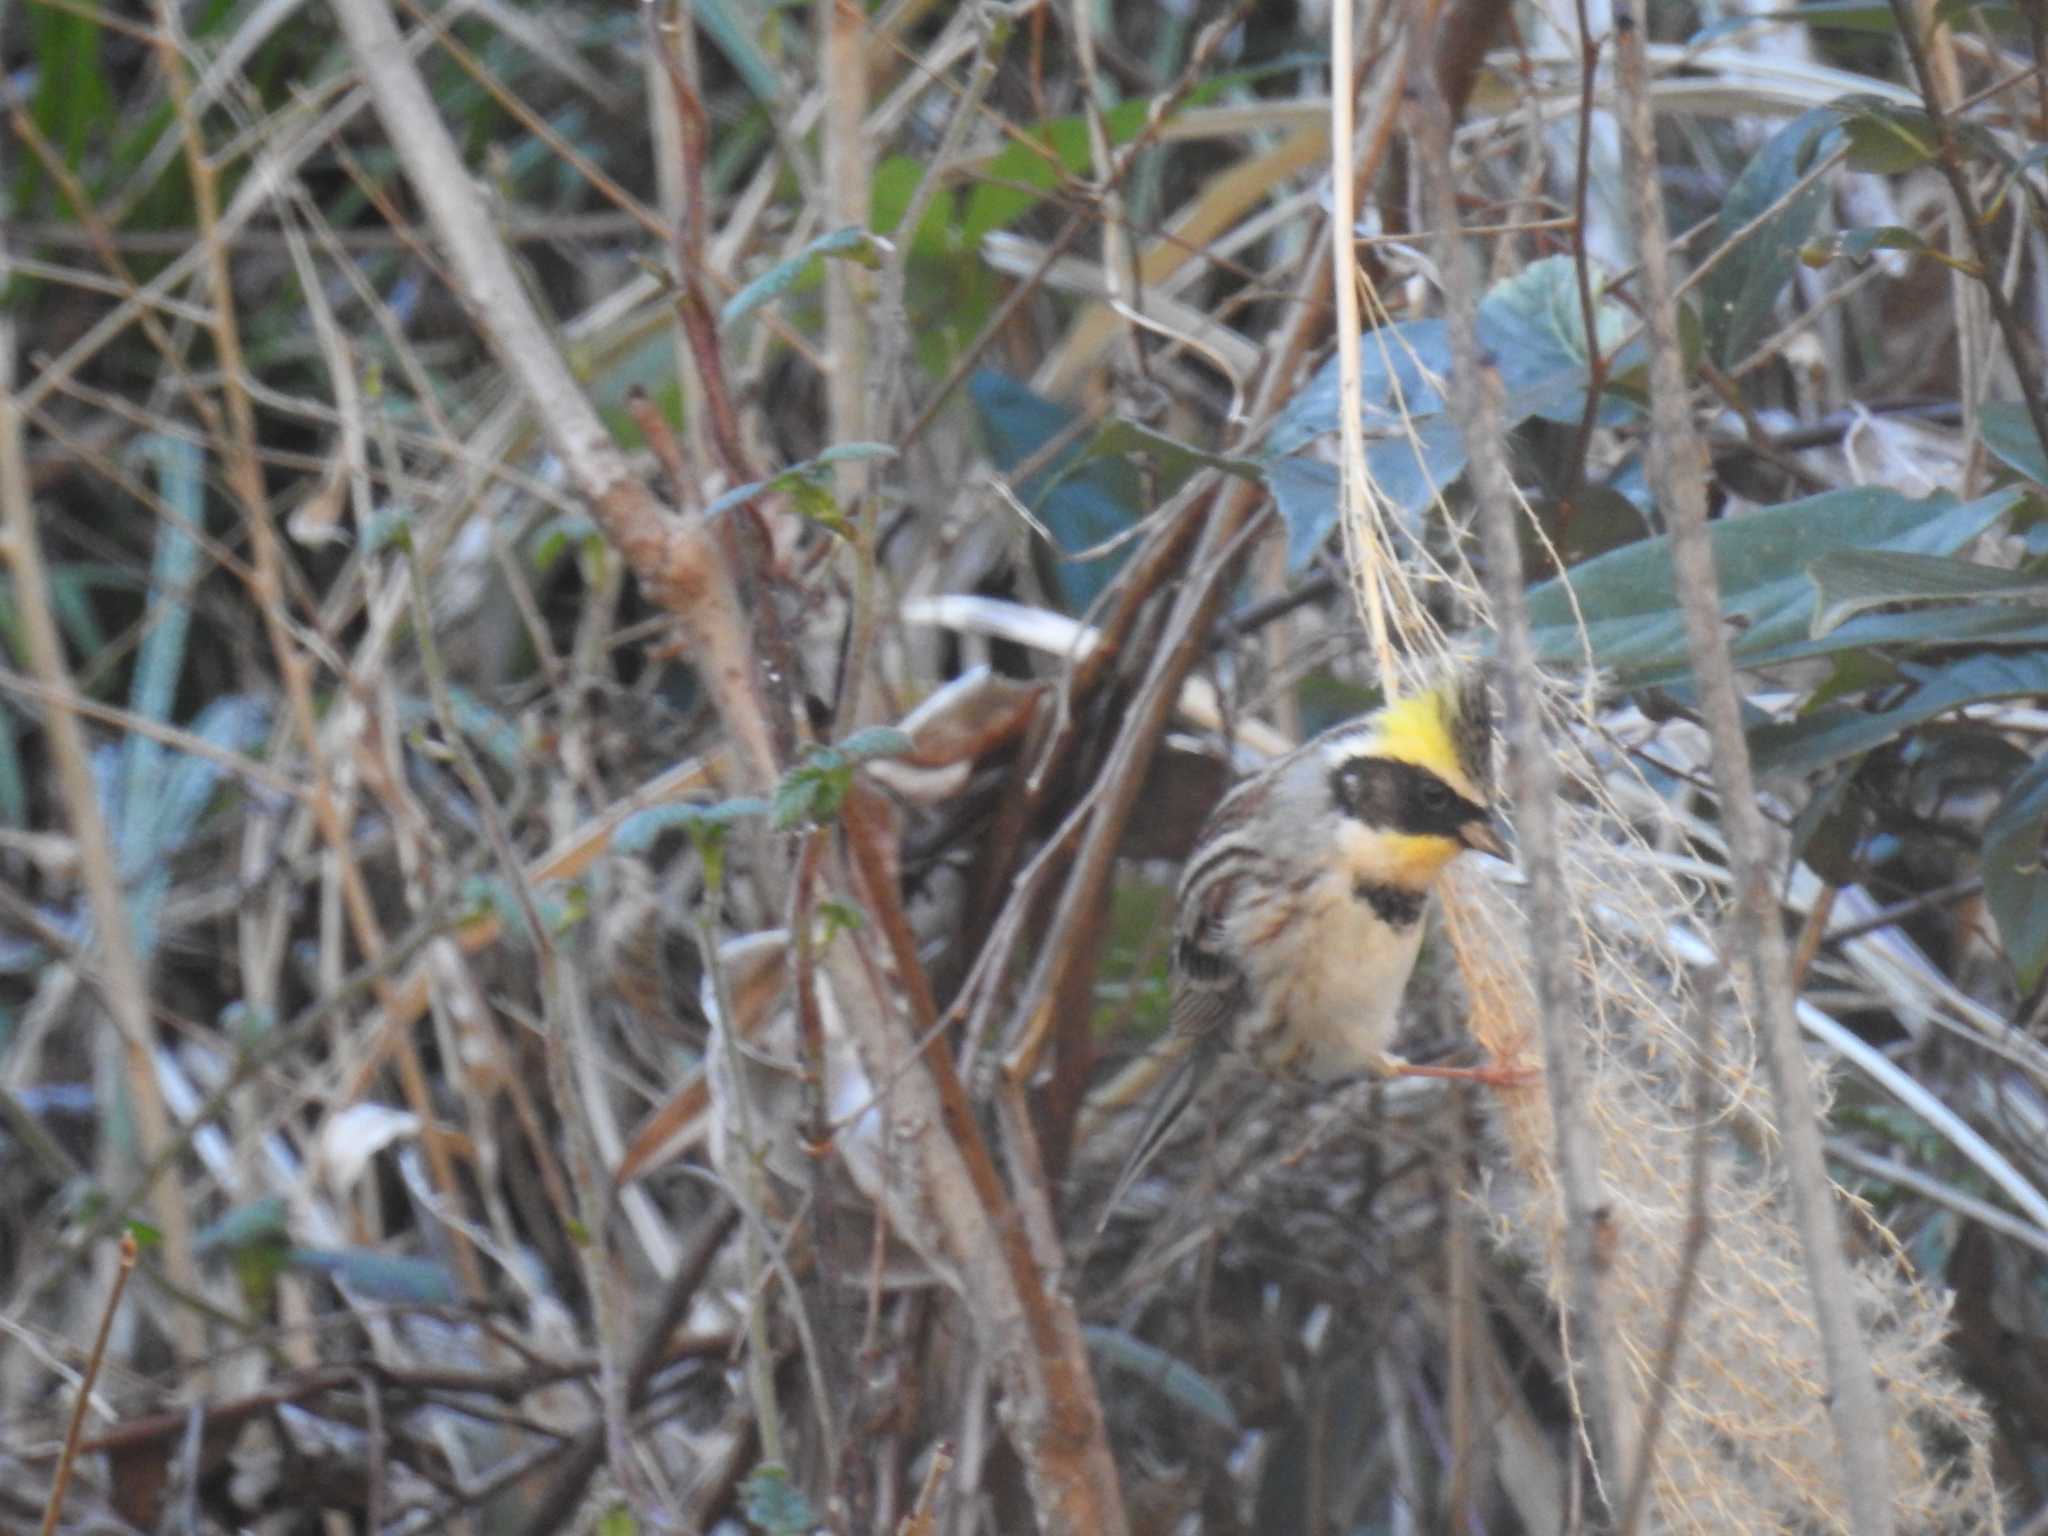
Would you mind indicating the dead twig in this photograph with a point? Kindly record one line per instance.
(62, 1481)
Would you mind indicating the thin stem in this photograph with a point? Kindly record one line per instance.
(1532, 786)
(2025, 364)
(1756, 936)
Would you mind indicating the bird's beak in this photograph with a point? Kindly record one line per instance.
(1480, 833)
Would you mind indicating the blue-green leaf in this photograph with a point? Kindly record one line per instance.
(397, 1279)
(245, 1226)
(2009, 434)
(639, 831)
(1532, 329)
(1171, 1375)
(1629, 603)
(774, 1505)
(1851, 581)
(1832, 734)
(877, 741)
(1739, 294)
(2015, 879)
(851, 244)
(1083, 506)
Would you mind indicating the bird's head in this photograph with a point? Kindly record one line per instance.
(1413, 782)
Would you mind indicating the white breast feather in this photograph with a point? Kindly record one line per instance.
(1343, 999)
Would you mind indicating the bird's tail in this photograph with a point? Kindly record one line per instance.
(1187, 1068)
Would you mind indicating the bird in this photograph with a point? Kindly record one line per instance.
(1300, 911)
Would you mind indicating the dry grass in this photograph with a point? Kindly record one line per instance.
(546, 1081)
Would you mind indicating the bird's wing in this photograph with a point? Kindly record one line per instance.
(1209, 993)
(1210, 988)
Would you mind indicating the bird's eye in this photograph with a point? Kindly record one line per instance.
(1436, 795)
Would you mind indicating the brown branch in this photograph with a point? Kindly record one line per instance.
(675, 558)
(62, 1481)
(2025, 364)
(552, 1512)
(1051, 1409)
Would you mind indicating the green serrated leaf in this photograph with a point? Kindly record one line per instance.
(812, 792)
(1852, 581)
(2015, 880)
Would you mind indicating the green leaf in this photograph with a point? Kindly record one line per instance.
(1082, 505)
(2009, 433)
(851, 243)
(388, 1277)
(774, 1505)
(1017, 179)
(1630, 605)
(1829, 735)
(1534, 323)
(1532, 329)
(637, 833)
(617, 1521)
(877, 741)
(2015, 881)
(1174, 459)
(1851, 581)
(1886, 138)
(1738, 296)
(735, 28)
(1174, 1377)
(812, 792)
(1857, 244)
(245, 1226)
(806, 484)
(837, 917)
(72, 98)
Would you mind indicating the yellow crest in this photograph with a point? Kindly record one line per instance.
(1447, 729)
